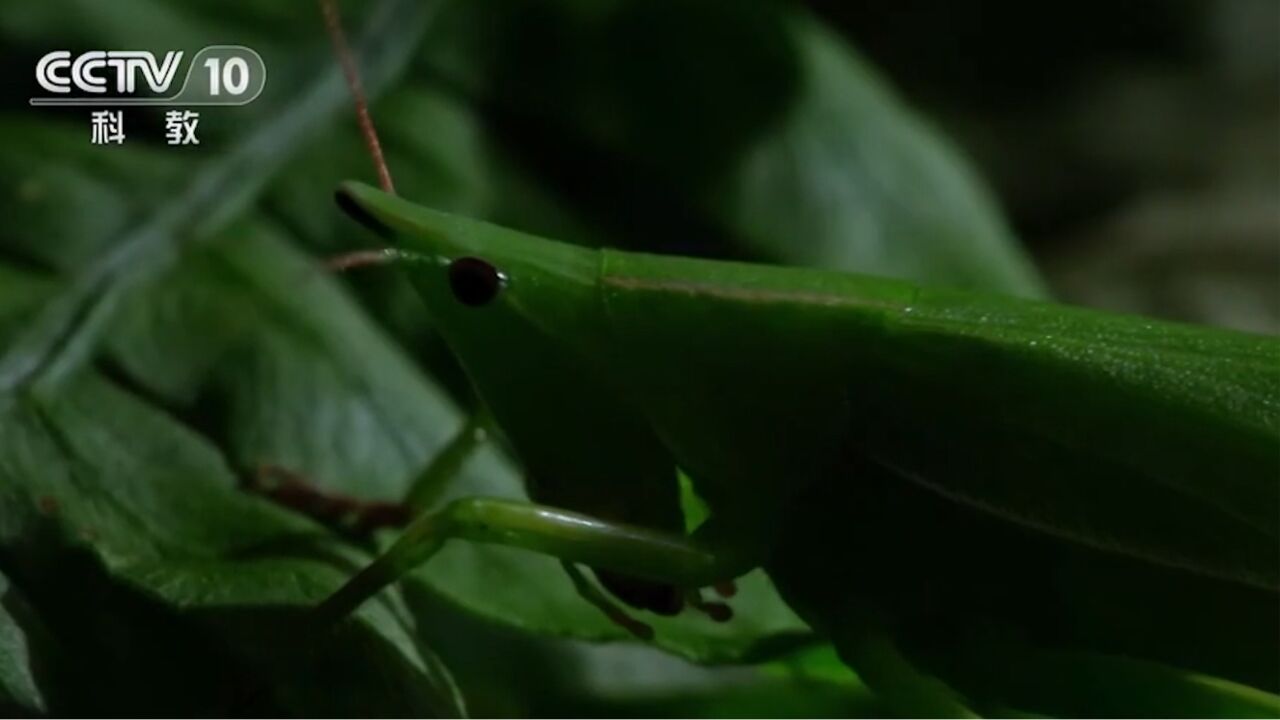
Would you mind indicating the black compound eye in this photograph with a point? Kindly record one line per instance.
(474, 282)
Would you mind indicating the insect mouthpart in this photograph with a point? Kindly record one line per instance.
(475, 282)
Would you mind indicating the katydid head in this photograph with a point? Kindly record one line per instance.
(511, 307)
(460, 265)
(524, 317)
(520, 314)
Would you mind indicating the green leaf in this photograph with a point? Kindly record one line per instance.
(375, 666)
(856, 181)
(158, 508)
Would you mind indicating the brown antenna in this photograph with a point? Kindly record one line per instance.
(333, 23)
(361, 258)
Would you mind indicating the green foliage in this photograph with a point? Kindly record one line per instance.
(23, 647)
(164, 330)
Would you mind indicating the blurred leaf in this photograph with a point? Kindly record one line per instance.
(66, 331)
(755, 128)
(1207, 258)
(856, 181)
(23, 641)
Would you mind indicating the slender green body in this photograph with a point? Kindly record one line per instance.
(1060, 419)
(945, 437)
(967, 471)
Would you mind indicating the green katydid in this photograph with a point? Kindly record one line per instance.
(1057, 430)
(967, 493)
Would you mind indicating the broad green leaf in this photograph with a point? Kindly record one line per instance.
(157, 507)
(854, 180)
(260, 604)
(103, 645)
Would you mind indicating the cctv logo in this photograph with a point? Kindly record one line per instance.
(57, 72)
(215, 75)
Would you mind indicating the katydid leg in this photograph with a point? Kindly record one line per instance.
(432, 482)
(360, 517)
(569, 536)
(594, 595)
(347, 514)
(717, 611)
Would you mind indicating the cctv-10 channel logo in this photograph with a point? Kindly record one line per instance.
(217, 75)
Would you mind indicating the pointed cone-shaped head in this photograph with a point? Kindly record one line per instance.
(461, 265)
(524, 316)
(500, 298)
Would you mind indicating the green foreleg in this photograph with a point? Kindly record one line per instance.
(594, 595)
(569, 536)
(432, 482)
